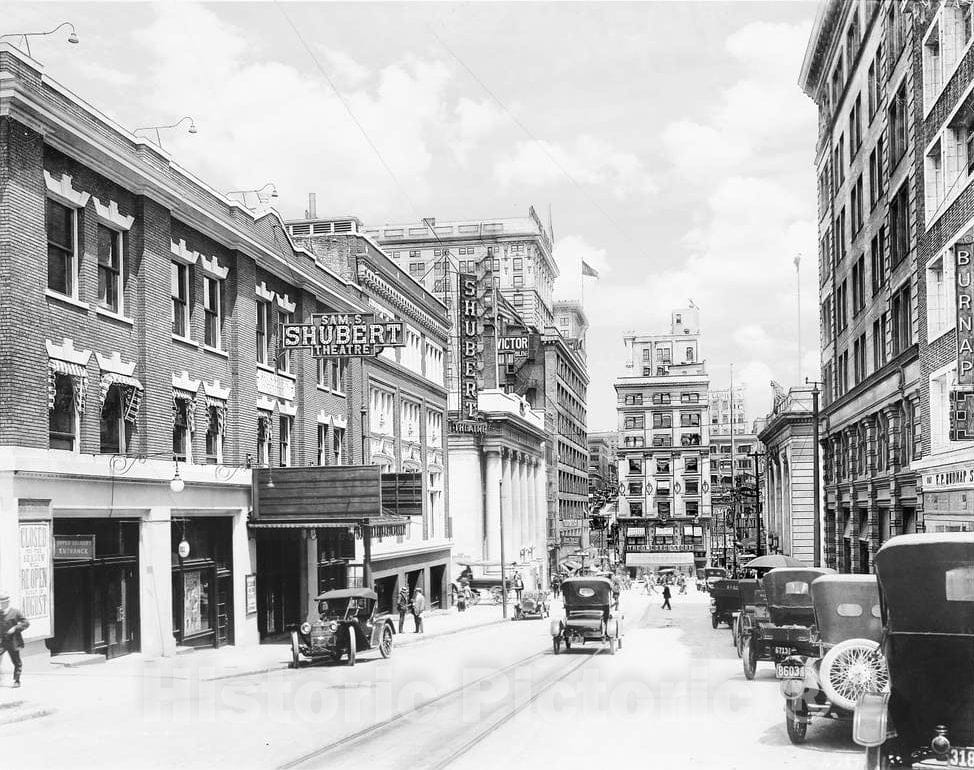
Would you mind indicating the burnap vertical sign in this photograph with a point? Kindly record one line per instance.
(965, 314)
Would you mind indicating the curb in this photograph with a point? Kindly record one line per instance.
(13, 713)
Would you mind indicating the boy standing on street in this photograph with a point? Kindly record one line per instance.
(12, 623)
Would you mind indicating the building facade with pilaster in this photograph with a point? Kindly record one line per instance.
(861, 69)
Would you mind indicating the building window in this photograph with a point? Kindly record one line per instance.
(692, 488)
(692, 508)
(115, 432)
(181, 444)
(518, 300)
(63, 416)
(284, 455)
(62, 249)
(661, 398)
(688, 398)
(897, 128)
(324, 445)
(662, 420)
(263, 438)
(859, 285)
(899, 224)
(214, 437)
(338, 445)
(633, 399)
(859, 359)
(635, 421)
(855, 126)
(263, 332)
(857, 218)
(635, 466)
(902, 320)
(691, 464)
(110, 275)
(663, 467)
(179, 286)
(879, 343)
(664, 508)
(518, 263)
(941, 302)
(690, 420)
(287, 359)
(877, 260)
(212, 312)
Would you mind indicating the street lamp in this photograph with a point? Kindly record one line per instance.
(192, 128)
(72, 38)
(121, 464)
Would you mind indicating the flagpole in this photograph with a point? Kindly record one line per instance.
(798, 304)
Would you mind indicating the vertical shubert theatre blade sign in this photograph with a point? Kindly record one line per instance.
(470, 350)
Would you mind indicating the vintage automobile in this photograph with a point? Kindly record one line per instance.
(791, 618)
(754, 608)
(926, 720)
(344, 623)
(849, 662)
(588, 615)
(725, 602)
(713, 574)
(533, 604)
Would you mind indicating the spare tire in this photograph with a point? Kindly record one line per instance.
(851, 668)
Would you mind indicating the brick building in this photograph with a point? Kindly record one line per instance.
(861, 70)
(140, 314)
(945, 215)
(664, 449)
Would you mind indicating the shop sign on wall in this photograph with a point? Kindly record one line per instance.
(965, 313)
(35, 576)
(251, 594)
(344, 335)
(74, 547)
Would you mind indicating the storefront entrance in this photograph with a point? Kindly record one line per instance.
(202, 582)
(96, 587)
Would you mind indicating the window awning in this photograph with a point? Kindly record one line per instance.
(660, 559)
(381, 526)
(848, 530)
(133, 391)
(79, 380)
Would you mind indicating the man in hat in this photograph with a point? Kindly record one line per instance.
(419, 607)
(12, 623)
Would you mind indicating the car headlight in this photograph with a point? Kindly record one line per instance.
(333, 627)
(305, 628)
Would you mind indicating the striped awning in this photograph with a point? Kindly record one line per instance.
(79, 381)
(132, 393)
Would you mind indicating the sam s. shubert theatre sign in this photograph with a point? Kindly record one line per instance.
(347, 335)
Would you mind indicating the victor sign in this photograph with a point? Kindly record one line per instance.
(965, 314)
(343, 335)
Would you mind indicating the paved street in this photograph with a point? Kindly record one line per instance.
(675, 692)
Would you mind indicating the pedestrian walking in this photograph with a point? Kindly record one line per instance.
(556, 585)
(462, 598)
(666, 598)
(616, 590)
(419, 606)
(12, 623)
(402, 604)
(518, 586)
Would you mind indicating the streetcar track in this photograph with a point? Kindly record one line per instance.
(375, 729)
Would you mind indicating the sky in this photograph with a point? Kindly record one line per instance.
(669, 141)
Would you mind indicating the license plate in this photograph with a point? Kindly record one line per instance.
(789, 671)
(961, 756)
(782, 650)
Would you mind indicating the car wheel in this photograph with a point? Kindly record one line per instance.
(851, 668)
(796, 722)
(750, 657)
(295, 654)
(556, 644)
(351, 646)
(714, 620)
(385, 643)
(877, 759)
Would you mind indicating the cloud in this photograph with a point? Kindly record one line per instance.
(475, 122)
(261, 119)
(589, 160)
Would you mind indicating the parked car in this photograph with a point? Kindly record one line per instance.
(344, 622)
(725, 602)
(754, 608)
(533, 604)
(791, 617)
(588, 615)
(849, 661)
(926, 720)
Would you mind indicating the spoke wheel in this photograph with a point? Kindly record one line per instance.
(295, 655)
(385, 643)
(749, 656)
(351, 646)
(852, 668)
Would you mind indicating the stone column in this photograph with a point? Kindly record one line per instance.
(507, 505)
(517, 507)
(155, 583)
(493, 533)
(522, 481)
(541, 498)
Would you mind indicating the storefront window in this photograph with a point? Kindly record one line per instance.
(196, 602)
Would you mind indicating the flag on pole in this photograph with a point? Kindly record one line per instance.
(588, 270)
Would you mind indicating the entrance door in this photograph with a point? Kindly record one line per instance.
(436, 585)
(118, 592)
(71, 610)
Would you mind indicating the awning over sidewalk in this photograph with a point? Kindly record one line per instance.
(381, 526)
(677, 559)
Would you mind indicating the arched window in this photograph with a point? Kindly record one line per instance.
(63, 414)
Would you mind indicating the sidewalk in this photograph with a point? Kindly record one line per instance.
(49, 688)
